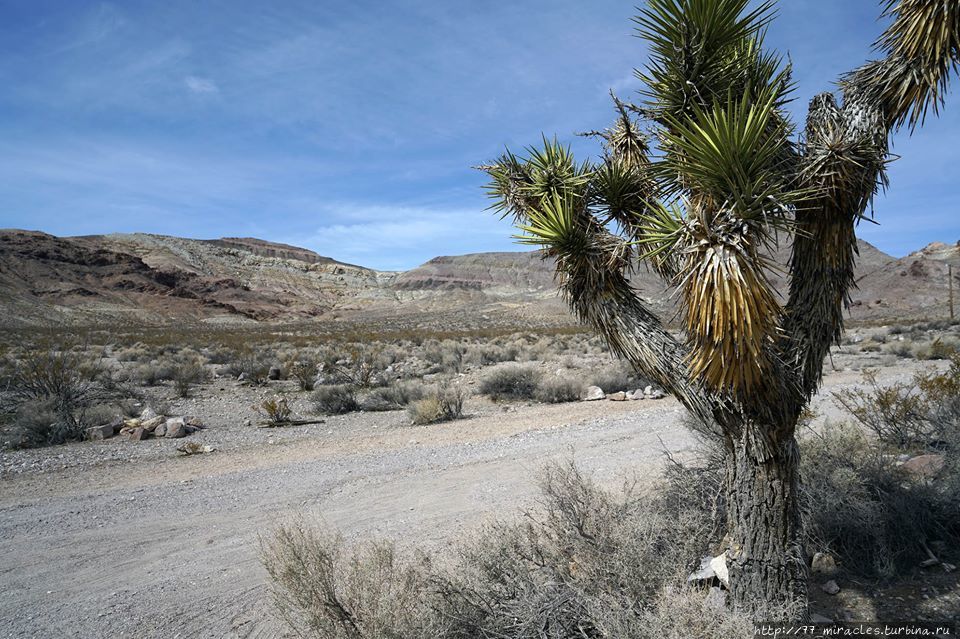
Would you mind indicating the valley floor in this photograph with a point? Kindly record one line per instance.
(99, 543)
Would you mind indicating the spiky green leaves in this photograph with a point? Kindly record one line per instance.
(701, 50)
(736, 157)
(922, 47)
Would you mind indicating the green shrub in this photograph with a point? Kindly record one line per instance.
(335, 400)
(186, 374)
(511, 382)
(38, 423)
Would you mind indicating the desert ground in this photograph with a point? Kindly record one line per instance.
(134, 539)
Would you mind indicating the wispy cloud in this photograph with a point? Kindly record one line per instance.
(200, 85)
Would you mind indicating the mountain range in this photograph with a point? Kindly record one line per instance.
(147, 279)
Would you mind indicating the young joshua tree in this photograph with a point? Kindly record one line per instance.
(728, 182)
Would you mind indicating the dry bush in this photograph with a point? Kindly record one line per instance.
(36, 423)
(397, 396)
(443, 405)
(557, 390)
(616, 377)
(276, 410)
(335, 400)
(321, 590)
(361, 366)
(152, 373)
(304, 368)
(864, 508)
(187, 373)
(253, 365)
(585, 563)
(907, 415)
(511, 382)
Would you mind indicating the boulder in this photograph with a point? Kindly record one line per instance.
(117, 423)
(617, 397)
(152, 423)
(139, 434)
(823, 564)
(635, 395)
(830, 587)
(274, 373)
(148, 413)
(594, 393)
(194, 422)
(161, 430)
(176, 428)
(924, 466)
(100, 432)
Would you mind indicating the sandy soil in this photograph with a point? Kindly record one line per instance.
(100, 543)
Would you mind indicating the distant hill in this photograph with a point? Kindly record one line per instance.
(152, 279)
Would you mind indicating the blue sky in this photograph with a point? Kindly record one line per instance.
(350, 127)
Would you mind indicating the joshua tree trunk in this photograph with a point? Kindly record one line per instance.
(765, 558)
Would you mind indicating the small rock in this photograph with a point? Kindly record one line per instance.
(160, 431)
(617, 397)
(831, 587)
(274, 373)
(823, 564)
(151, 424)
(593, 394)
(657, 394)
(176, 428)
(100, 432)
(635, 395)
(148, 413)
(117, 424)
(194, 422)
(648, 390)
(139, 434)
(924, 466)
(241, 377)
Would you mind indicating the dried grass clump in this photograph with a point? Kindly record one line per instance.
(397, 396)
(511, 382)
(557, 390)
(444, 405)
(585, 563)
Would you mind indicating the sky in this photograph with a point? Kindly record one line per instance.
(350, 127)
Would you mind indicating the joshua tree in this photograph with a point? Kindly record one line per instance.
(727, 182)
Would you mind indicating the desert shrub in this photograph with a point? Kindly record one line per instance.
(335, 400)
(941, 349)
(905, 415)
(617, 377)
(879, 338)
(220, 355)
(38, 423)
(556, 390)
(864, 508)
(896, 414)
(361, 366)
(304, 368)
(487, 354)
(254, 366)
(901, 349)
(186, 374)
(394, 397)
(511, 382)
(276, 410)
(322, 590)
(443, 405)
(587, 563)
(152, 373)
(99, 414)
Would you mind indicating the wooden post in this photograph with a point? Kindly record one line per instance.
(950, 277)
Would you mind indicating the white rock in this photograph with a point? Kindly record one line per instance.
(719, 566)
(593, 394)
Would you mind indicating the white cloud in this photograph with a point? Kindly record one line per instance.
(200, 86)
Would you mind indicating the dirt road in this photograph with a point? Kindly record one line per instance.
(167, 546)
